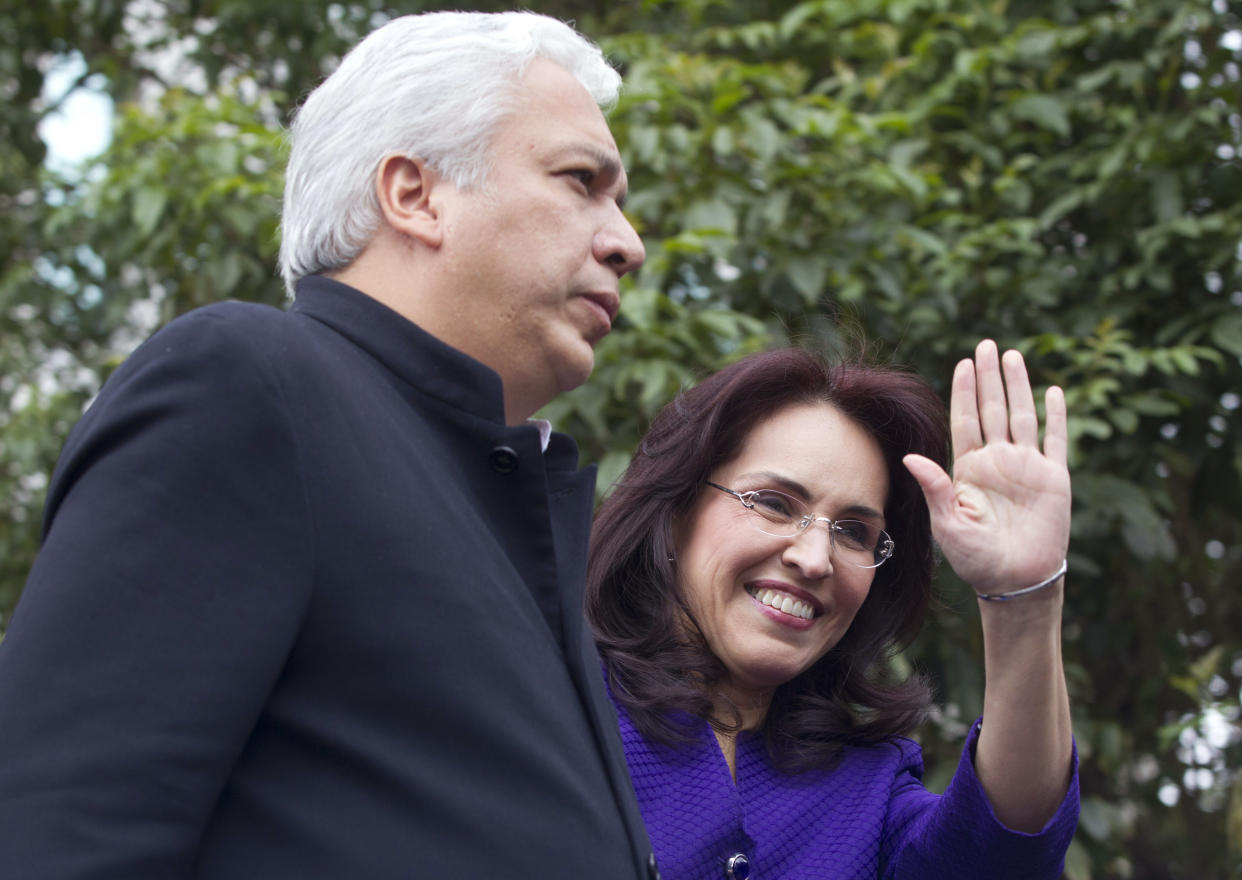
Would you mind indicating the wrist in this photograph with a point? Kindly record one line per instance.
(1008, 595)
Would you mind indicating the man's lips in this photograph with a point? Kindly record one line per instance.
(607, 302)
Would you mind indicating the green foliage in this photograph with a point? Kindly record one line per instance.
(191, 187)
(1063, 176)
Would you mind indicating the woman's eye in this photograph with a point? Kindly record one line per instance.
(773, 503)
(853, 531)
(583, 176)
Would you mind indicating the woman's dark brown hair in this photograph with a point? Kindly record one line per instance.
(664, 675)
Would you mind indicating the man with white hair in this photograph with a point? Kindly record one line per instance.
(309, 599)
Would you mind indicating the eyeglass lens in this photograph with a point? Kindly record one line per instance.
(784, 516)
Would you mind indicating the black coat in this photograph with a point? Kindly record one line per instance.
(307, 608)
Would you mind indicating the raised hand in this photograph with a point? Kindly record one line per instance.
(1002, 520)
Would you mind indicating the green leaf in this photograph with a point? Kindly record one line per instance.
(1091, 427)
(710, 215)
(611, 467)
(808, 275)
(225, 273)
(1043, 110)
(1038, 42)
(927, 241)
(1093, 818)
(1166, 197)
(1152, 403)
(903, 153)
(1077, 862)
(1127, 421)
(763, 138)
(1062, 205)
(1185, 361)
(149, 202)
(1226, 332)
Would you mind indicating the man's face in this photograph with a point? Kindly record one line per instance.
(538, 250)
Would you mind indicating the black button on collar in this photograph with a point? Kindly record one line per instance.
(503, 460)
(737, 867)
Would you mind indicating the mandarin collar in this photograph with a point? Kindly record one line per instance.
(409, 351)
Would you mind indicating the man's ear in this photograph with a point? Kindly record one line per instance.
(405, 189)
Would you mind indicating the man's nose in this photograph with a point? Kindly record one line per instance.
(618, 245)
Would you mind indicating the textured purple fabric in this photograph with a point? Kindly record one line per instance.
(870, 817)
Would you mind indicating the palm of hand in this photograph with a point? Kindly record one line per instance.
(1009, 525)
(1002, 521)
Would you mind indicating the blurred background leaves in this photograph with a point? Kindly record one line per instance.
(897, 177)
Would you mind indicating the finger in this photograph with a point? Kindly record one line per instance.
(993, 412)
(1023, 419)
(964, 410)
(1056, 426)
(936, 485)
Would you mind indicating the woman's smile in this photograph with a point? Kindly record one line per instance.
(784, 604)
(770, 606)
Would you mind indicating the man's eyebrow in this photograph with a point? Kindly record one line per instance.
(608, 163)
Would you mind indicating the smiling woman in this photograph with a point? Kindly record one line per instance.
(738, 578)
(768, 549)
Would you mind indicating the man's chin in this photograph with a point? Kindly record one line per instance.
(576, 372)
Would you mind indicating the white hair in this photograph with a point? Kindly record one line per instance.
(433, 86)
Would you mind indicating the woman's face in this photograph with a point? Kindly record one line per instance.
(732, 574)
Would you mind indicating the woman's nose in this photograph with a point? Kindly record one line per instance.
(811, 550)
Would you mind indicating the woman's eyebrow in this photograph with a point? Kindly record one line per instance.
(793, 487)
(777, 481)
(865, 510)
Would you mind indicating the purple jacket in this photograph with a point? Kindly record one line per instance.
(870, 817)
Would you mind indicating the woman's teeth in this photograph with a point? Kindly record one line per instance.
(783, 602)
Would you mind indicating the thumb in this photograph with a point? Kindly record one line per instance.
(937, 486)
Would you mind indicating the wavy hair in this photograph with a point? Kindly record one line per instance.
(661, 669)
(433, 86)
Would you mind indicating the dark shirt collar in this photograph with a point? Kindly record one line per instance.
(410, 352)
